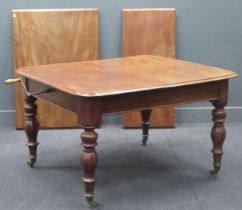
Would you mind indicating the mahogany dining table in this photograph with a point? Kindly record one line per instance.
(92, 89)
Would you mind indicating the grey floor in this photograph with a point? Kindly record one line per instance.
(170, 173)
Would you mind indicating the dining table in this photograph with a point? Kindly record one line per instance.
(92, 89)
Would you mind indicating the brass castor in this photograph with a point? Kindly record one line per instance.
(214, 172)
(31, 162)
(92, 204)
(144, 139)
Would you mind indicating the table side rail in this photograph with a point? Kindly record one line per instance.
(133, 101)
(162, 97)
(55, 97)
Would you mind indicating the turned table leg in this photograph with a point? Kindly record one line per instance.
(89, 117)
(89, 160)
(218, 135)
(145, 117)
(31, 128)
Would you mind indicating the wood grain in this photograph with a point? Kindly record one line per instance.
(118, 76)
(150, 31)
(53, 36)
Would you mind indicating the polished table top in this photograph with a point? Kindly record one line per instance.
(122, 75)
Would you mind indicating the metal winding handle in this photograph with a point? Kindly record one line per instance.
(11, 81)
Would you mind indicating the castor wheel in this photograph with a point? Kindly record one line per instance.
(214, 172)
(31, 162)
(144, 139)
(92, 204)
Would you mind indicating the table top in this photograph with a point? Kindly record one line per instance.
(122, 75)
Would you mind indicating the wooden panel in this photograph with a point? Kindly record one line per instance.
(53, 36)
(150, 31)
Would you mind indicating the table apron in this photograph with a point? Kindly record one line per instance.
(56, 97)
(134, 101)
(162, 97)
